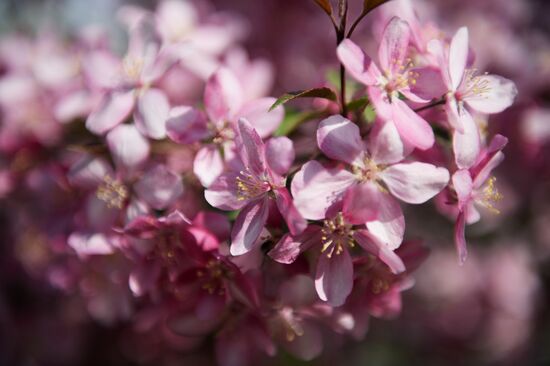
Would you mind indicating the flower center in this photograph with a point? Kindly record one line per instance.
(112, 192)
(489, 196)
(250, 185)
(211, 277)
(401, 79)
(475, 85)
(291, 324)
(336, 235)
(132, 67)
(368, 171)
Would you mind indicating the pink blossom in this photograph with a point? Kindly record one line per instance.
(396, 77)
(377, 174)
(253, 188)
(475, 186)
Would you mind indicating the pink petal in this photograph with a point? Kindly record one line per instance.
(380, 250)
(334, 278)
(389, 226)
(89, 171)
(458, 56)
(128, 147)
(289, 247)
(159, 187)
(252, 150)
(307, 346)
(466, 144)
(151, 114)
(415, 182)
(248, 226)
(462, 183)
(484, 173)
(361, 203)
(412, 128)
(112, 110)
(339, 138)
(357, 63)
(315, 189)
(261, 118)
(429, 83)
(208, 164)
(216, 223)
(279, 153)
(499, 94)
(385, 145)
(394, 45)
(295, 222)
(222, 96)
(222, 193)
(460, 239)
(86, 244)
(186, 125)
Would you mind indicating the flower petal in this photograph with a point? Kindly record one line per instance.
(222, 193)
(380, 250)
(415, 182)
(151, 114)
(458, 56)
(385, 145)
(289, 247)
(260, 117)
(339, 138)
(389, 226)
(499, 93)
(466, 144)
(412, 128)
(334, 278)
(279, 153)
(252, 150)
(248, 226)
(159, 187)
(112, 110)
(394, 45)
(462, 183)
(208, 164)
(128, 147)
(315, 189)
(222, 95)
(361, 204)
(357, 63)
(295, 222)
(186, 125)
(460, 239)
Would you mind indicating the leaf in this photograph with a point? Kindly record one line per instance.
(325, 93)
(369, 5)
(325, 5)
(293, 120)
(369, 113)
(358, 104)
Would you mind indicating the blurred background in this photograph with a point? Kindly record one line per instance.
(495, 310)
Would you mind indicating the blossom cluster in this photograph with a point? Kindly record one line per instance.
(166, 187)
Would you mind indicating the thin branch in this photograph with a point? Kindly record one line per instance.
(356, 23)
(431, 105)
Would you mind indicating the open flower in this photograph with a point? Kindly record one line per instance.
(335, 239)
(395, 79)
(375, 175)
(225, 104)
(476, 187)
(252, 189)
(485, 93)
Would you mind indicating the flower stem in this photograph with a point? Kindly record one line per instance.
(431, 105)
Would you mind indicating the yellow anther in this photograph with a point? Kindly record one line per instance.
(112, 192)
(490, 195)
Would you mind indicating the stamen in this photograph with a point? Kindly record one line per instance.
(249, 185)
(132, 67)
(475, 84)
(112, 192)
(490, 195)
(336, 235)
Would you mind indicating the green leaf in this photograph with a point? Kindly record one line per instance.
(325, 5)
(369, 5)
(369, 113)
(324, 92)
(293, 120)
(358, 104)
